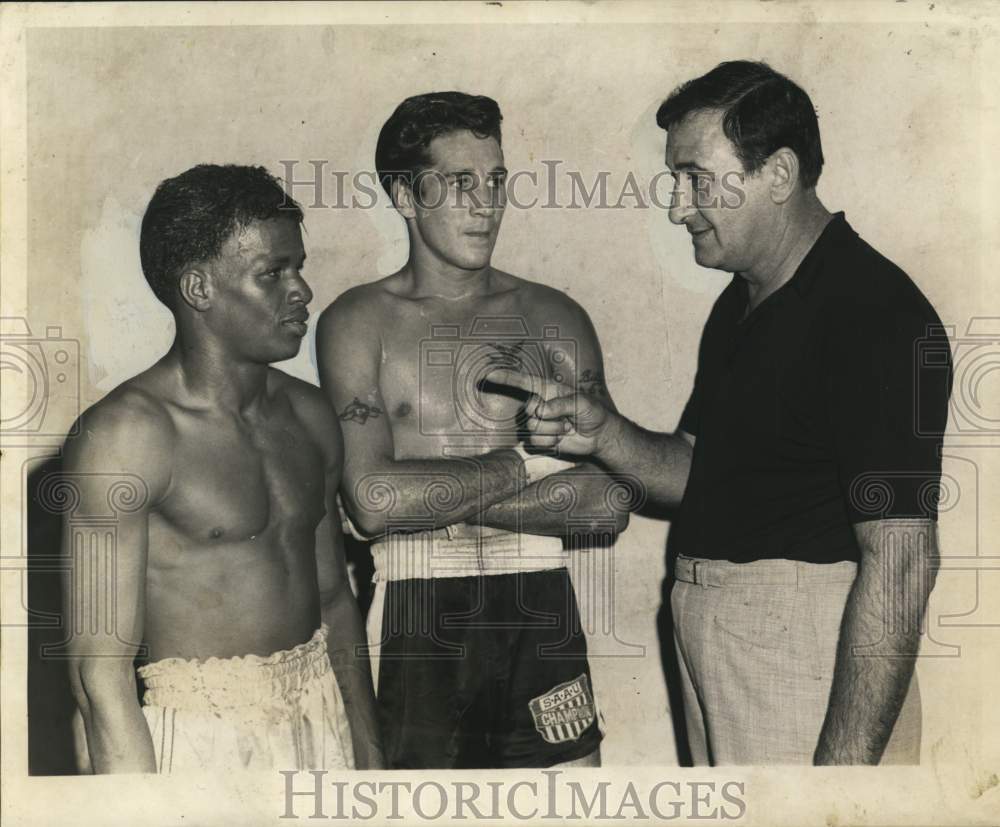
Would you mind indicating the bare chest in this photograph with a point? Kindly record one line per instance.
(235, 482)
(434, 378)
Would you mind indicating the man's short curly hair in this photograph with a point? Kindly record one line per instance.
(191, 215)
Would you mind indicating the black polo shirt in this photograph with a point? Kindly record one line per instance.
(824, 407)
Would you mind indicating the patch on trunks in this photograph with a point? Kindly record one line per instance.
(564, 713)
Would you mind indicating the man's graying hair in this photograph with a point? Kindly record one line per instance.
(762, 112)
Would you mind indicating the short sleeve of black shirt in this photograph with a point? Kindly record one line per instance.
(689, 417)
(889, 380)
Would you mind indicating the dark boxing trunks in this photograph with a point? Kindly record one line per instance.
(483, 671)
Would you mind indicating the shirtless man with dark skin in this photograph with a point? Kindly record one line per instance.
(229, 550)
(433, 457)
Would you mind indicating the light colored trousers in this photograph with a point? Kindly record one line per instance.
(756, 644)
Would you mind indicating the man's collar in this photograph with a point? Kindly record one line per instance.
(836, 231)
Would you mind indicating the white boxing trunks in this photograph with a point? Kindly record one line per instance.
(284, 711)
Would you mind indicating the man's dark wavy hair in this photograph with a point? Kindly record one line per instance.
(191, 215)
(402, 148)
(763, 111)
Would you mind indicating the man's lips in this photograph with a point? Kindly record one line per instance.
(297, 321)
(699, 232)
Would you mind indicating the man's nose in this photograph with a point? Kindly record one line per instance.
(681, 205)
(300, 291)
(484, 198)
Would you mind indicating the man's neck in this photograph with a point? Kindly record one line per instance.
(797, 237)
(432, 277)
(215, 379)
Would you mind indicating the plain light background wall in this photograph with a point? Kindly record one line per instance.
(111, 112)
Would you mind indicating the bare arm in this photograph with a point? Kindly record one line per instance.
(879, 638)
(346, 642)
(583, 500)
(579, 425)
(660, 461)
(119, 448)
(339, 610)
(876, 388)
(380, 492)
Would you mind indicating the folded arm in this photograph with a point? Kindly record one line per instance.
(583, 500)
(380, 492)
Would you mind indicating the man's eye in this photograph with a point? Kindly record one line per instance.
(497, 181)
(272, 274)
(465, 182)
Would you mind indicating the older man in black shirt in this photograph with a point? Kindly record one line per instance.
(807, 525)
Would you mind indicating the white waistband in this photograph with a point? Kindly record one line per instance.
(228, 683)
(425, 555)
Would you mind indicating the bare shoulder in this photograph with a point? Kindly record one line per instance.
(357, 306)
(129, 414)
(304, 397)
(129, 431)
(312, 408)
(547, 306)
(349, 332)
(568, 335)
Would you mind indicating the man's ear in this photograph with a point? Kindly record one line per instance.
(784, 174)
(195, 287)
(402, 197)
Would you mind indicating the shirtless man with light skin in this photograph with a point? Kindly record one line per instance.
(229, 550)
(404, 360)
